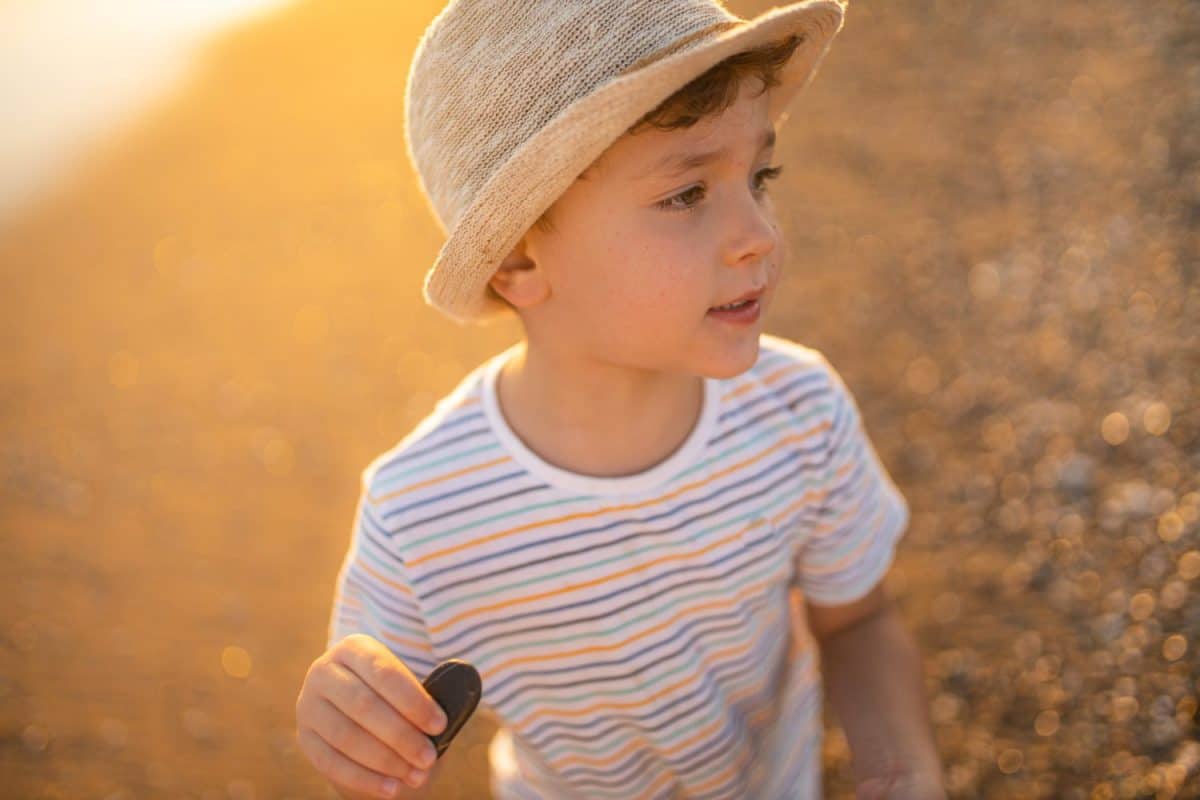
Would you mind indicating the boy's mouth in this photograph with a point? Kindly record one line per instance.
(743, 313)
(739, 302)
(732, 306)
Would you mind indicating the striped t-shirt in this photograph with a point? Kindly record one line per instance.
(632, 632)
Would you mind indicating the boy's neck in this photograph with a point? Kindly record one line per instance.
(594, 418)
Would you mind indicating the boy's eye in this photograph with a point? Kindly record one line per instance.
(697, 192)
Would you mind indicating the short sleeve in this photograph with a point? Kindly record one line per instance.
(861, 512)
(375, 595)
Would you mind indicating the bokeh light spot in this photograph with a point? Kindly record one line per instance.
(923, 375)
(1115, 428)
(945, 708)
(1170, 526)
(278, 457)
(35, 738)
(1156, 419)
(1189, 565)
(1141, 605)
(240, 789)
(1174, 646)
(275, 452)
(1124, 708)
(984, 280)
(236, 661)
(1010, 760)
(198, 724)
(1173, 595)
(114, 732)
(947, 607)
(1046, 723)
(998, 433)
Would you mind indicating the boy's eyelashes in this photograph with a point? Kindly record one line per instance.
(671, 204)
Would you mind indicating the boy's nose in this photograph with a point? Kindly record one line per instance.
(753, 233)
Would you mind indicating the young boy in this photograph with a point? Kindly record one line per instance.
(614, 519)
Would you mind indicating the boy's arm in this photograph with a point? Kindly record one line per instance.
(871, 668)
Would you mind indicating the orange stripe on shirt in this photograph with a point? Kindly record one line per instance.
(373, 500)
(636, 743)
(779, 443)
(400, 587)
(667, 559)
(853, 555)
(712, 605)
(768, 379)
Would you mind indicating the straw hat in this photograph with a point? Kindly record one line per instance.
(508, 101)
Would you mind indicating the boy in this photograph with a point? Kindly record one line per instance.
(613, 519)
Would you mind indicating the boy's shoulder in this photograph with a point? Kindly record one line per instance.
(784, 365)
(774, 348)
(456, 417)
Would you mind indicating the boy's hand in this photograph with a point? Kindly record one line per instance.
(905, 785)
(362, 718)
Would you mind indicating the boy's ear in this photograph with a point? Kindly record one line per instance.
(519, 280)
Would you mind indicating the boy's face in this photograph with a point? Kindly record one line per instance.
(640, 252)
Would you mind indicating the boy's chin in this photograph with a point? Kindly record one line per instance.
(732, 362)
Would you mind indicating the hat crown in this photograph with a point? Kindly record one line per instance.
(487, 75)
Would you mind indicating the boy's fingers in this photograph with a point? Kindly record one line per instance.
(379, 668)
(342, 770)
(395, 745)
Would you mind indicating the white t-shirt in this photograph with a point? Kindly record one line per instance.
(632, 632)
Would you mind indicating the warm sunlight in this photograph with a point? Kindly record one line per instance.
(74, 71)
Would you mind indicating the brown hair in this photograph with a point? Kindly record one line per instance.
(710, 93)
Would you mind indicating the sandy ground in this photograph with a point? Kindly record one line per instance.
(993, 211)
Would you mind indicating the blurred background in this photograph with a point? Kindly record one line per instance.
(211, 252)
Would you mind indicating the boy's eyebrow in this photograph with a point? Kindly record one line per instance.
(676, 163)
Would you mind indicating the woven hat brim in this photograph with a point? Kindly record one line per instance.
(551, 160)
